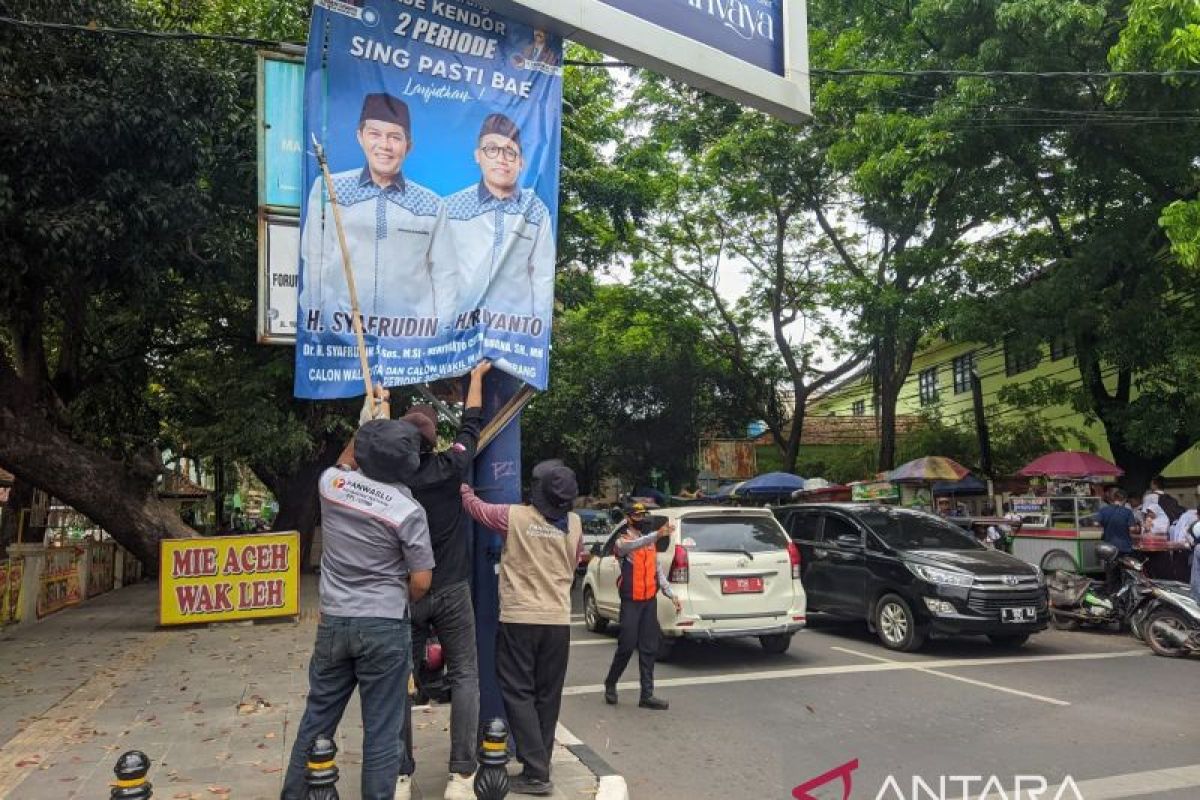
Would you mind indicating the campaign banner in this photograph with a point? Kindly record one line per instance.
(227, 578)
(441, 124)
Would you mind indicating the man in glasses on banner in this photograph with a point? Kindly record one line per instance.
(500, 233)
(390, 223)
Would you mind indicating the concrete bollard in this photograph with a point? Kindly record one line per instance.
(491, 779)
(131, 783)
(321, 772)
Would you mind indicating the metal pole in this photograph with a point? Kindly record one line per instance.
(341, 234)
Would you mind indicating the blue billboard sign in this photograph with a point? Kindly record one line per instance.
(282, 130)
(750, 51)
(749, 30)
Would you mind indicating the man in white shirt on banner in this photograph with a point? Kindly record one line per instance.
(390, 223)
(500, 233)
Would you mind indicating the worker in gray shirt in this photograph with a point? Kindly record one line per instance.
(377, 558)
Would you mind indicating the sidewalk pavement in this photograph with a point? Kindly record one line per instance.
(214, 707)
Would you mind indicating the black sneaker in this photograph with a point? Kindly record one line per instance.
(654, 703)
(610, 695)
(522, 784)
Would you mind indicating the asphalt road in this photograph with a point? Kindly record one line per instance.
(1096, 710)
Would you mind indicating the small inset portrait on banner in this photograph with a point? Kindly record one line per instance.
(389, 223)
(500, 233)
(538, 51)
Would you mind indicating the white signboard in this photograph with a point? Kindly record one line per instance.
(754, 52)
(278, 267)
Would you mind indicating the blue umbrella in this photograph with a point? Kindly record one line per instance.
(772, 483)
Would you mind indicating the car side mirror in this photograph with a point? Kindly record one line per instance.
(848, 540)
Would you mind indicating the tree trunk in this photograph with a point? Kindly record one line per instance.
(296, 492)
(117, 495)
(1138, 469)
(20, 498)
(893, 361)
(791, 451)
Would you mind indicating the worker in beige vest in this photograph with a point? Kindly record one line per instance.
(543, 543)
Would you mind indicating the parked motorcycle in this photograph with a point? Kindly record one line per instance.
(1077, 600)
(1170, 620)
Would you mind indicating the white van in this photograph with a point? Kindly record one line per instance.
(734, 570)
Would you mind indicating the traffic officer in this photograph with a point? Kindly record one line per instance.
(641, 580)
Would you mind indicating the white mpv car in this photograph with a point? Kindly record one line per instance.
(734, 570)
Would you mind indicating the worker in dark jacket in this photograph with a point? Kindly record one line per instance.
(641, 581)
(447, 608)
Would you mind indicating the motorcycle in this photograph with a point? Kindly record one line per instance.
(1170, 621)
(1077, 600)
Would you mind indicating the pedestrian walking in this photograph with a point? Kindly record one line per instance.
(376, 559)
(543, 543)
(447, 607)
(640, 582)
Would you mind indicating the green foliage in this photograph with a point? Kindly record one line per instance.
(632, 387)
(114, 213)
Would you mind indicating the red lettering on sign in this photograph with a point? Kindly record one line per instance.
(231, 563)
(261, 594)
(194, 562)
(221, 600)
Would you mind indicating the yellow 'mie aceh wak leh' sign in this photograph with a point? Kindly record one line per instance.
(229, 578)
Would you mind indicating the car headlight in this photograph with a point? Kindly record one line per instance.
(942, 577)
(1041, 577)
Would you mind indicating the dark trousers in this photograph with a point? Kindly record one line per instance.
(372, 653)
(449, 612)
(639, 631)
(531, 666)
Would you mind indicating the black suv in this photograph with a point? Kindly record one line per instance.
(910, 574)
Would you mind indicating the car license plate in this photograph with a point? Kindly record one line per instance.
(741, 585)
(1023, 614)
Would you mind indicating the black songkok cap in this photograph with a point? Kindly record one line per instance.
(502, 125)
(385, 108)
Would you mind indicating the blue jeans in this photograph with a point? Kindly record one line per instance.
(449, 611)
(374, 654)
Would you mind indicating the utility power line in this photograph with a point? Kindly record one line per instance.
(816, 72)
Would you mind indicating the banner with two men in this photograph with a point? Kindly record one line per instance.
(441, 125)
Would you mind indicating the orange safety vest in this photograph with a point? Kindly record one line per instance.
(639, 580)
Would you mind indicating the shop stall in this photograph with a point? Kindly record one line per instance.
(1058, 532)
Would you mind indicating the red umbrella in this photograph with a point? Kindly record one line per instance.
(1070, 464)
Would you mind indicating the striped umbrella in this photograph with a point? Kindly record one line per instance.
(929, 468)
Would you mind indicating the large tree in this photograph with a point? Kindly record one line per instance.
(633, 387)
(115, 160)
(1092, 164)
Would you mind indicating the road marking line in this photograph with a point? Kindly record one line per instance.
(888, 666)
(564, 736)
(1133, 784)
(861, 654)
(927, 671)
(996, 687)
(586, 642)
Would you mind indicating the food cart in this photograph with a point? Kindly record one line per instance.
(1058, 532)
